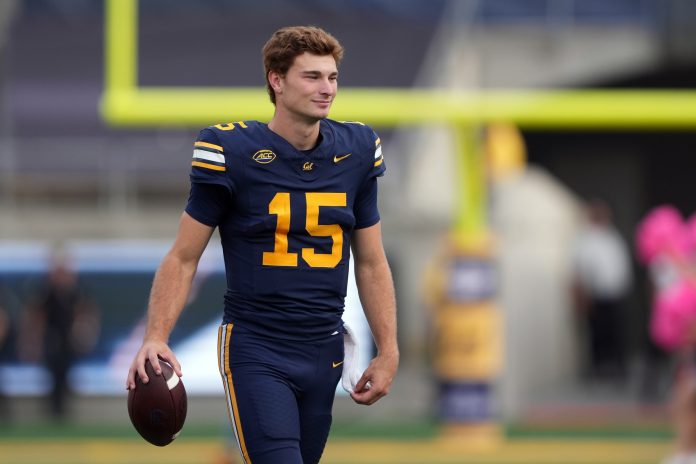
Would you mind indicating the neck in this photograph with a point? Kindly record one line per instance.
(300, 133)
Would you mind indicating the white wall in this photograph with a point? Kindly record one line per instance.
(535, 220)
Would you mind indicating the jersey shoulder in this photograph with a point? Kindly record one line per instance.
(355, 133)
(216, 148)
(362, 140)
(232, 138)
(232, 132)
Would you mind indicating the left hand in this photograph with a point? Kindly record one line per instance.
(376, 380)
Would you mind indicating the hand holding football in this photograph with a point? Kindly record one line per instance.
(157, 409)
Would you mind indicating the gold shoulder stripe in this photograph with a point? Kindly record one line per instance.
(208, 166)
(378, 141)
(378, 162)
(208, 145)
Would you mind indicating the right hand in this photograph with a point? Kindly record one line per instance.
(377, 379)
(154, 351)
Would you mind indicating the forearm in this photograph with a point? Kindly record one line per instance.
(376, 290)
(168, 297)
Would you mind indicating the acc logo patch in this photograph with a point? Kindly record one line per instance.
(264, 156)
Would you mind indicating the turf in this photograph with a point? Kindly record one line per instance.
(341, 451)
(386, 443)
(422, 430)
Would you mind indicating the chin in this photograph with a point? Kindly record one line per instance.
(322, 111)
(317, 115)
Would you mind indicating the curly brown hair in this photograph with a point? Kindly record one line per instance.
(289, 42)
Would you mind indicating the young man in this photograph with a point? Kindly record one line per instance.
(290, 199)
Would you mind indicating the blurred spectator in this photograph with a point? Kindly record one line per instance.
(59, 324)
(683, 403)
(602, 281)
(666, 244)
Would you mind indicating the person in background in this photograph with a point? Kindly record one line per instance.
(59, 324)
(603, 280)
(682, 406)
(666, 245)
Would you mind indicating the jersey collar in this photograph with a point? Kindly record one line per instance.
(322, 151)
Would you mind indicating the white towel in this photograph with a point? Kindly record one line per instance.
(351, 368)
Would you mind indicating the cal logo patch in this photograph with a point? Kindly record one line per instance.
(264, 156)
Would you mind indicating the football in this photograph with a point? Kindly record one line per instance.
(157, 409)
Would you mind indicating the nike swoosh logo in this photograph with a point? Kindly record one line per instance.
(341, 158)
(336, 364)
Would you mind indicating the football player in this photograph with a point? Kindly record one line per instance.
(290, 199)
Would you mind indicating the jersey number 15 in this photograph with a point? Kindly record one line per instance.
(280, 206)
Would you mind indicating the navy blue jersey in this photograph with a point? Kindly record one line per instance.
(287, 222)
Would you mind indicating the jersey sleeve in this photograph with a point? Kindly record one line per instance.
(209, 165)
(365, 208)
(378, 167)
(208, 203)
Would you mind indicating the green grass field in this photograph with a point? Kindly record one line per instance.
(376, 444)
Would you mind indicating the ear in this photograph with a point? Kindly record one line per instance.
(275, 79)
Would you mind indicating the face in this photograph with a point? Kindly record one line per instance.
(308, 88)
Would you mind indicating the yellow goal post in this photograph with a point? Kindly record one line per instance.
(125, 103)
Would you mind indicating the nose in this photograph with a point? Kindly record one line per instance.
(328, 87)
